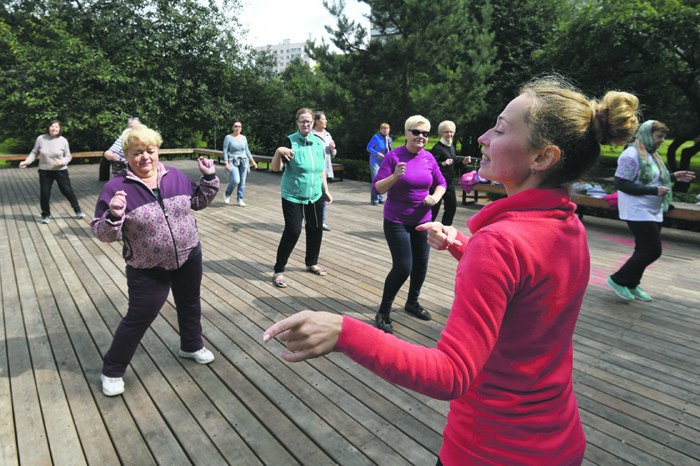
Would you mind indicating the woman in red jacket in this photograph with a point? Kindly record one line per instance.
(505, 356)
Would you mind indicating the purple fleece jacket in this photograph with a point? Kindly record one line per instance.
(155, 234)
(405, 202)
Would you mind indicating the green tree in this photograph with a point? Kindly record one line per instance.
(179, 65)
(521, 28)
(651, 48)
(433, 59)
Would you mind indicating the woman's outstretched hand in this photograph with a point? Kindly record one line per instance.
(440, 237)
(308, 334)
(684, 176)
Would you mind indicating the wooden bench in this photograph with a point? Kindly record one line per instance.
(680, 210)
(267, 159)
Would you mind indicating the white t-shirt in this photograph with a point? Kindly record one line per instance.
(646, 208)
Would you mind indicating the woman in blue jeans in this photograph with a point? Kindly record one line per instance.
(237, 157)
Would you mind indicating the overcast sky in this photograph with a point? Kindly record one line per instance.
(271, 21)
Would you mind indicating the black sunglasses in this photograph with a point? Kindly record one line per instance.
(415, 132)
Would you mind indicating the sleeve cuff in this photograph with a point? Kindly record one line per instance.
(357, 338)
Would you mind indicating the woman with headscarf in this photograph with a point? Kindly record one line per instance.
(643, 186)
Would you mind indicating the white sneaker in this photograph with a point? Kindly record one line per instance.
(112, 386)
(226, 198)
(241, 203)
(203, 356)
(45, 220)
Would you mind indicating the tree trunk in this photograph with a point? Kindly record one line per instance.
(686, 155)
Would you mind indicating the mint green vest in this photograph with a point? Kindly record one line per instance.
(302, 180)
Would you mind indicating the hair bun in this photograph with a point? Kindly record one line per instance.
(616, 119)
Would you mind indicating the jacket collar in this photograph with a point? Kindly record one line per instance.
(530, 200)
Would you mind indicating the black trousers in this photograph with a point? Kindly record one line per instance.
(647, 248)
(450, 199)
(46, 179)
(409, 257)
(294, 214)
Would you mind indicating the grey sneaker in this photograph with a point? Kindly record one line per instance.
(202, 356)
(45, 220)
(79, 214)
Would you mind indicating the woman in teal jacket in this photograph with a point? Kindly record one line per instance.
(304, 191)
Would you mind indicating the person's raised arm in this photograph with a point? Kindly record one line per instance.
(444, 372)
(205, 192)
(381, 186)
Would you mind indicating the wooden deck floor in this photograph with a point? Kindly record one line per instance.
(636, 369)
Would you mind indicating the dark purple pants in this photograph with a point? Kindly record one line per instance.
(148, 290)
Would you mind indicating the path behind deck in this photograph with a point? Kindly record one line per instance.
(63, 293)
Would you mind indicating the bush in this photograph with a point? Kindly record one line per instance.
(355, 169)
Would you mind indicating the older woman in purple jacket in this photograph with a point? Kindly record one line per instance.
(149, 207)
(410, 173)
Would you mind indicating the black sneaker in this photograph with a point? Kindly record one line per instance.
(418, 311)
(384, 322)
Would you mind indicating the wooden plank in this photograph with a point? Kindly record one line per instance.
(30, 434)
(8, 441)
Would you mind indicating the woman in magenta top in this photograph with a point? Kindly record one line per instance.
(410, 174)
(505, 357)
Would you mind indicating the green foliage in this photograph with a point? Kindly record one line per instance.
(178, 65)
(651, 48)
(355, 169)
(434, 60)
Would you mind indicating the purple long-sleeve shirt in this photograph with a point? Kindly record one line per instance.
(405, 200)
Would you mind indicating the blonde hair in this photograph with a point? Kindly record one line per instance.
(560, 115)
(447, 124)
(384, 125)
(416, 120)
(142, 134)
